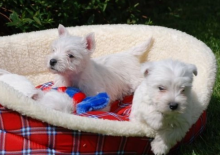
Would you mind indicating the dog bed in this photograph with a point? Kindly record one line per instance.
(27, 128)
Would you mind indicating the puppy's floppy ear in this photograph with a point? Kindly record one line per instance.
(146, 68)
(90, 42)
(37, 95)
(193, 69)
(62, 30)
(2, 71)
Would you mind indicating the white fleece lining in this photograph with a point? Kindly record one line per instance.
(16, 101)
(26, 53)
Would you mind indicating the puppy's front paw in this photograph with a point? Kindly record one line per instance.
(159, 147)
(155, 121)
(156, 125)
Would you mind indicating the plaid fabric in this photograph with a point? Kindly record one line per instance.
(21, 135)
(120, 110)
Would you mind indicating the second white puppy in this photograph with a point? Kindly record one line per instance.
(163, 101)
(117, 74)
(21, 84)
(51, 99)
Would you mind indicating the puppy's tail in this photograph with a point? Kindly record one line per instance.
(141, 50)
(2, 71)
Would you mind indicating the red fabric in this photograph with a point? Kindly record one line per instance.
(61, 89)
(78, 97)
(23, 135)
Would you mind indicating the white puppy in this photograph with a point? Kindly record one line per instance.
(51, 99)
(117, 74)
(58, 101)
(21, 84)
(163, 101)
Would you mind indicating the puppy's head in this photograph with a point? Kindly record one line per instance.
(58, 101)
(169, 84)
(21, 84)
(70, 54)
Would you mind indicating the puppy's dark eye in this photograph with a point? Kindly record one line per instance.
(183, 90)
(71, 56)
(161, 88)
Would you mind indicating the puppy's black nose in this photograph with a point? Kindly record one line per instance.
(173, 105)
(53, 62)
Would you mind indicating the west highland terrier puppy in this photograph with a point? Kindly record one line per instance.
(163, 101)
(116, 74)
(51, 99)
(21, 84)
(58, 101)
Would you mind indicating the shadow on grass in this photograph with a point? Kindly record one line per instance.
(198, 18)
(208, 143)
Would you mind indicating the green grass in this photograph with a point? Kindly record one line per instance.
(200, 19)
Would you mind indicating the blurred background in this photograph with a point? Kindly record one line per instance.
(200, 19)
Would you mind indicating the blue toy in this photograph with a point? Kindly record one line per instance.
(97, 102)
(85, 104)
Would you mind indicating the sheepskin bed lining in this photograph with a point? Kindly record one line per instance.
(30, 50)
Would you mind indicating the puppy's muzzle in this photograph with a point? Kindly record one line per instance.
(53, 62)
(173, 105)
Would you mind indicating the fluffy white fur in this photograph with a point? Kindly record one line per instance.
(117, 74)
(57, 101)
(164, 102)
(51, 99)
(21, 84)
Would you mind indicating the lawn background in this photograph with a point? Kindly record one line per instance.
(200, 19)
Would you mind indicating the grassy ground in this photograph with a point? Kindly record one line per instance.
(202, 20)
